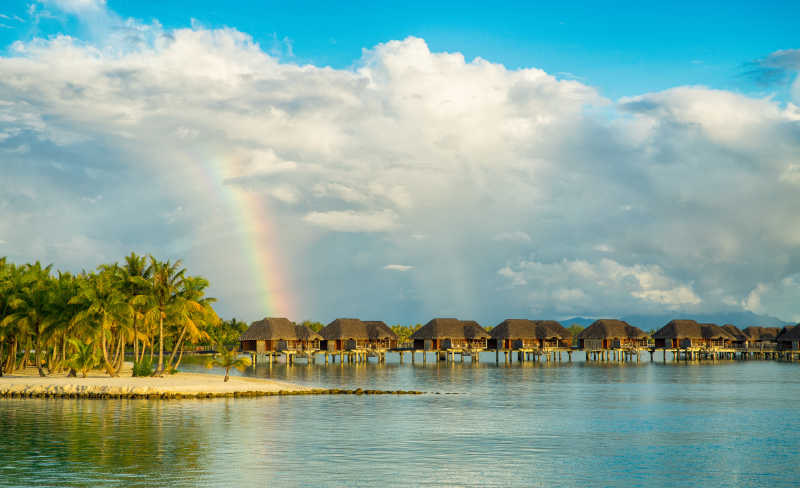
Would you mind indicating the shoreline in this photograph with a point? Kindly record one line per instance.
(175, 386)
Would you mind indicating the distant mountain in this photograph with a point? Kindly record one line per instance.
(655, 322)
(583, 322)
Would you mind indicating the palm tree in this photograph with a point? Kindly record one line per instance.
(228, 358)
(193, 311)
(29, 307)
(136, 273)
(84, 356)
(106, 310)
(61, 312)
(166, 279)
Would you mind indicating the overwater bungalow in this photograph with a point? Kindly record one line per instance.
(552, 334)
(688, 334)
(278, 334)
(789, 338)
(611, 334)
(344, 335)
(381, 336)
(516, 334)
(449, 333)
(762, 337)
(739, 340)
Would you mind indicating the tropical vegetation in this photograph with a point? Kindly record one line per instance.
(143, 307)
(227, 359)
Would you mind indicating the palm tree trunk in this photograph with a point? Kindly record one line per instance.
(115, 358)
(109, 368)
(39, 351)
(2, 343)
(23, 362)
(152, 343)
(51, 364)
(160, 368)
(63, 350)
(119, 355)
(227, 370)
(177, 345)
(180, 356)
(135, 340)
(12, 357)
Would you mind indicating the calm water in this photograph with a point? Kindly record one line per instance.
(729, 424)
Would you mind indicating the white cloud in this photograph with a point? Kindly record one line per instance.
(517, 278)
(398, 267)
(285, 193)
(515, 236)
(412, 153)
(352, 221)
(603, 248)
(605, 285)
(76, 6)
(777, 298)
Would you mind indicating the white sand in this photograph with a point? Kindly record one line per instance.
(29, 383)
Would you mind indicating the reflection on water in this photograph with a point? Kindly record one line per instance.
(567, 424)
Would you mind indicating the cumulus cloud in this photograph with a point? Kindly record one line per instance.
(398, 267)
(783, 294)
(352, 221)
(410, 156)
(578, 286)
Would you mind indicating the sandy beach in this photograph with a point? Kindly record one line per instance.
(97, 384)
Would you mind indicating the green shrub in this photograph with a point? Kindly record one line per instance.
(143, 367)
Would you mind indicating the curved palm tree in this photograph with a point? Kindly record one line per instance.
(105, 310)
(228, 358)
(165, 282)
(29, 306)
(193, 313)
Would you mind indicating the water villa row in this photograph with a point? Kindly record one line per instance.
(354, 340)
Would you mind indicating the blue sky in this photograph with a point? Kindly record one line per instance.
(317, 160)
(623, 48)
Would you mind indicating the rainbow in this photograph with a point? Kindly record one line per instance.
(260, 244)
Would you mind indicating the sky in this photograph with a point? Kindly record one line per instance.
(415, 160)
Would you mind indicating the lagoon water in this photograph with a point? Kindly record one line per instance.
(568, 424)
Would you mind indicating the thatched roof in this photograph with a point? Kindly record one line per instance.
(547, 329)
(689, 329)
(515, 329)
(789, 333)
(345, 329)
(735, 332)
(378, 330)
(679, 328)
(611, 329)
(277, 329)
(447, 328)
(530, 329)
(714, 331)
(762, 333)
